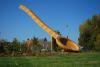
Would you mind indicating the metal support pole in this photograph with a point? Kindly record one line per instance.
(51, 44)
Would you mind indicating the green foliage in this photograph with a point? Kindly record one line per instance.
(6, 46)
(35, 40)
(15, 45)
(90, 34)
(23, 47)
(55, 46)
(36, 45)
(45, 39)
(68, 60)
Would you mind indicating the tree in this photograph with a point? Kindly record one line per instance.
(36, 45)
(23, 47)
(45, 43)
(1, 47)
(15, 47)
(90, 34)
(29, 44)
(5, 46)
(54, 43)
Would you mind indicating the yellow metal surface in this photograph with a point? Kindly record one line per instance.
(62, 42)
(39, 21)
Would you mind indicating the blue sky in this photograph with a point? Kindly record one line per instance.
(62, 15)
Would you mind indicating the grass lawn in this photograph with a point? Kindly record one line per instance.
(69, 60)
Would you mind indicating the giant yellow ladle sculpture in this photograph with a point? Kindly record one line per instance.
(62, 42)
